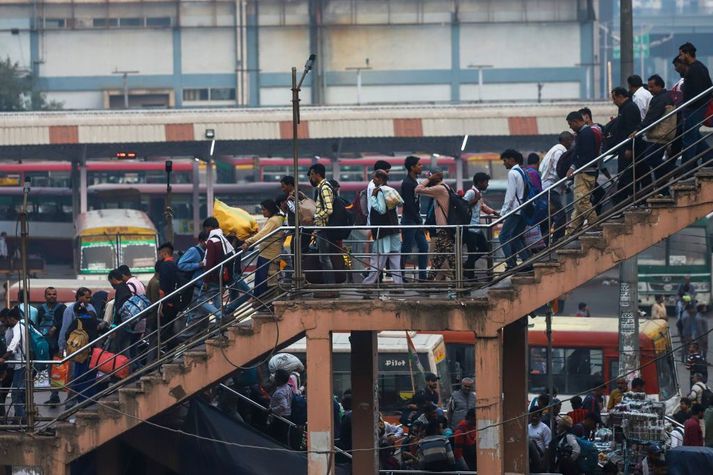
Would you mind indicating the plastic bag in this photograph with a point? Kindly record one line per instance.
(234, 221)
(59, 374)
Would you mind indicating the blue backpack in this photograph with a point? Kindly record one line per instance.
(535, 212)
(588, 460)
(131, 308)
(39, 347)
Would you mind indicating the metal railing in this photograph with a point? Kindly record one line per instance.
(162, 343)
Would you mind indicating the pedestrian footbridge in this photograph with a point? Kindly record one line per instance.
(494, 305)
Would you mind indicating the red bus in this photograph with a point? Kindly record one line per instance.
(584, 352)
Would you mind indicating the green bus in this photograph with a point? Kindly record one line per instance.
(663, 266)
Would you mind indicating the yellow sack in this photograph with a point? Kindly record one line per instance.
(234, 221)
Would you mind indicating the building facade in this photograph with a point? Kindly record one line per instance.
(89, 54)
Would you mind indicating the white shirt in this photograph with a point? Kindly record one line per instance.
(15, 345)
(540, 434)
(641, 98)
(369, 191)
(475, 209)
(136, 286)
(548, 166)
(515, 191)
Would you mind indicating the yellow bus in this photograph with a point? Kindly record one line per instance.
(108, 238)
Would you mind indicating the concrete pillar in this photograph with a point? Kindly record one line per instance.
(365, 401)
(83, 206)
(320, 422)
(488, 412)
(515, 396)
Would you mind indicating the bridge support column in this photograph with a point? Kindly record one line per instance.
(489, 406)
(365, 402)
(320, 436)
(515, 396)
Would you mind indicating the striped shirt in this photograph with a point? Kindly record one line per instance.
(435, 452)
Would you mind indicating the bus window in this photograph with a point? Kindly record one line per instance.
(138, 252)
(666, 373)
(461, 361)
(688, 247)
(97, 255)
(574, 369)
(654, 256)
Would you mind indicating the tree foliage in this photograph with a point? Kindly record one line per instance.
(17, 92)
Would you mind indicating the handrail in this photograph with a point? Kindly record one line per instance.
(674, 422)
(158, 303)
(604, 155)
(267, 411)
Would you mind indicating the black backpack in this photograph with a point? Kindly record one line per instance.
(459, 211)
(564, 163)
(707, 397)
(339, 217)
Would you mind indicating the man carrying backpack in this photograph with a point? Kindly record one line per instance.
(49, 321)
(586, 179)
(191, 266)
(443, 249)
(512, 234)
(16, 351)
(325, 208)
(82, 331)
(218, 249)
(83, 295)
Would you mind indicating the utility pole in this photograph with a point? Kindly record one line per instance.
(628, 319)
(168, 211)
(626, 26)
(125, 82)
(29, 377)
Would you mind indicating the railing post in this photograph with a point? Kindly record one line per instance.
(633, 169)
(490, 258)
(220, 293)
(548, 238)
(159, 317)
(458, 249)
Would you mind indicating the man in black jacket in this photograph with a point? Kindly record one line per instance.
(618, 130)
(585, 151)
(658, 136)
(696, 81)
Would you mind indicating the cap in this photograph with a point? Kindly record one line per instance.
(431, 377)
(654, 449)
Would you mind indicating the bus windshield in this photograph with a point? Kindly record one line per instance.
(97, 255)
(138, 252)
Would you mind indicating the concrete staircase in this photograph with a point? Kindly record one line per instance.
(152, 394)
(490, 310)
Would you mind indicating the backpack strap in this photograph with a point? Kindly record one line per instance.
(525, 184)
(132, 287)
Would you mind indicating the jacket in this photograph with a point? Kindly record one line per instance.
(626, 122)
(458, 406)
(381, 215)
(657, 109)
(217, 248)
(696, 80)
(585, 150)
(271, 248)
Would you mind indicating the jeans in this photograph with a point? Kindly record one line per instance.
(408, 238)
(18, 391)
(238, 293)
(83, 381)
(512, 239)
(261, 274)
(324, 248)
(654, 158)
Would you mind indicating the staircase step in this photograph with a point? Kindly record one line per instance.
(684, 187)
(218, 342)
(518, 280)
(171, 369)
(194, 356)
(246, 327)
(615, 229)
(503, 292)
(665, 202)
(705, 173)
(595, 240)
(636, 215)
(88, 414)
(131, 392)
(576, 251)
(109, 409)
(150, 380)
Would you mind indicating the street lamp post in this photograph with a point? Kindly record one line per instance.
(168, 211)
(480, 68)
(29, 378)
(125, 82)
(297, 264)
(358, 70)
